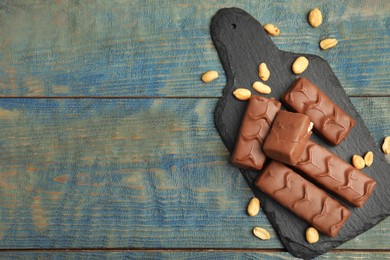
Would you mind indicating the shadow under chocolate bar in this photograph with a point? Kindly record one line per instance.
(302, 198)
(329, 120)
(255, 125)
(335, 174)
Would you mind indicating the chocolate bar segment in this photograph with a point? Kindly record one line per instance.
(288, 137)
(255, 125)
(302, 198)
(335, 174)
(329, 119)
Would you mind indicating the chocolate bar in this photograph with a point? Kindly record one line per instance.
(302, 198)
(248, 152)
(329, 119)
(335, 174)
(288, 137)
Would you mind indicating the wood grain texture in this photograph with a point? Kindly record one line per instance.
(147, 173)
(207, 254)
(160, 48)
(150, 172)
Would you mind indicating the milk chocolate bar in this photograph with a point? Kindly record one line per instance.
(255, 125)
(329, 120)
(288, 137)
(302, 198)
(335, 174)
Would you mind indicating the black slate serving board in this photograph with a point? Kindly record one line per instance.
(242, 44)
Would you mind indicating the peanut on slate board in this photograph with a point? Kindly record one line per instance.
(261, 87)
(369, 158)
(300, 65)
(242, 94)
(358, 162)
(264, 72)
(312, 235)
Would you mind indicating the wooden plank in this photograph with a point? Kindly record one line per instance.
(156, 48)
(186, 255)
(132, 173)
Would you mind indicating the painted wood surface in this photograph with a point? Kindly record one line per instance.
(131, 173)
(185, 255)
(148, 169)
(160, 47)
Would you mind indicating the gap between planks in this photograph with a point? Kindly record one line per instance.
(162, 250)
(149, 97)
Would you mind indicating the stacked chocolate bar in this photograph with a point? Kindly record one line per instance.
(284, 138)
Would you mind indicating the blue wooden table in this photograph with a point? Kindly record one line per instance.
(108, 147)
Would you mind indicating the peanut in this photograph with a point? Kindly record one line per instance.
(386, 145)
(358, 162)
(315, 17)
(271, 29)
(264, 72)
(253, 207)
(209, 76)
(369, 158)
(261, 233)
(328, 43)
(312, 235)
(261, 87)
(300, 65)
(242, 94)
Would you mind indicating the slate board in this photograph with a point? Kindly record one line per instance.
(242, 44)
